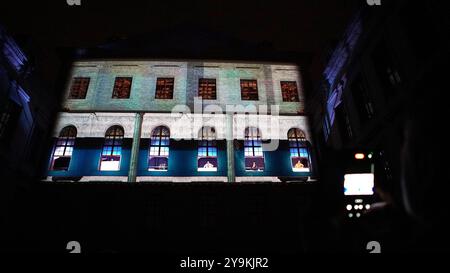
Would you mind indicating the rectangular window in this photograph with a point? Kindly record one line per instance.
(111, 154)
(253, 151)
(164, 88)
(63, 150)
(159, 149)
(289, 91)
(207, 156)
(249, 90)
(158, 163)
(79, 88)
(299, 154)
(207, 89)
(122, 88)
(254, 164)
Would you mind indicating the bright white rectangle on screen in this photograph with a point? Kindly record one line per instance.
(359, 184)
(110, 166)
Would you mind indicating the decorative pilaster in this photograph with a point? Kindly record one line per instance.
(230, 149)
(135, 147)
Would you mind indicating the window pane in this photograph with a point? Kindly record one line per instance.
(165, 151)
(165, 142)
(249, 90)
(257, 143)
(255, 164)
(207, 89)
(69, 151)
(303, 152)
(122, 88)
(293, 143)
(155, 141)
(164, 88)
(61, 163)
(289, 91)
(79, 88)
(212, 151)
(61, 142)
(158, 163)
(59, 151)
(110, 163)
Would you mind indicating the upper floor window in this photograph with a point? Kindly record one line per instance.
(253, 151)
(62, 153)
(122, 88)
(289, 91)
(207, 150)
(249, 90)
(112, 149)
(164, 88)
(299, 150)
(207, 89)
(79, 88)
(159, 149)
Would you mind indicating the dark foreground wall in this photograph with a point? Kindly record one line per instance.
(164, 218)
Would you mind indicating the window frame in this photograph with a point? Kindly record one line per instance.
(115, 87)
(68, 136)
(297, 96)
(158, 134)
(208, 84)
(112, 135)
(165, 79)
(301, 147)
(243, 89)
(249, 135)
(74, 82)
(210, 139)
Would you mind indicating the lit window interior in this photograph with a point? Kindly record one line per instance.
(112, 149)
(299, 150)
(63, 149)
(207, 150)
(253, 151)
(159, 149)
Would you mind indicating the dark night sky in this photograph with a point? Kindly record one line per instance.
(297, 26)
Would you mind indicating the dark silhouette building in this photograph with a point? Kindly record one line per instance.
(381, 90)
(25, 110)
(362, 99)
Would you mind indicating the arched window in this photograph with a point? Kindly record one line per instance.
(159, 149)
(112, 149)
(299, 150)
(254, 156)
(63, 150)
(207, 150)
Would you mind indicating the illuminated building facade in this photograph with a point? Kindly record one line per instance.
(185, 121)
